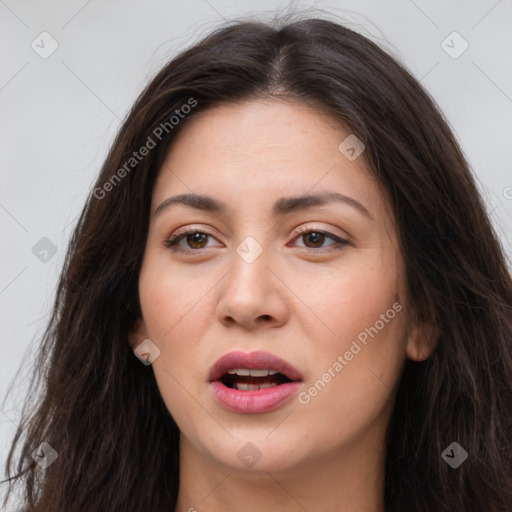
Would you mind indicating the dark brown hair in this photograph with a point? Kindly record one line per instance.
(100, 408)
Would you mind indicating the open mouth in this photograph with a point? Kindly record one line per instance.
(245, 379)
(253, 382)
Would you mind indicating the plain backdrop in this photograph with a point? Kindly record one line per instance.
(60, 112)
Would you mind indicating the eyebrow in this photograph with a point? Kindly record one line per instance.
(282, 206)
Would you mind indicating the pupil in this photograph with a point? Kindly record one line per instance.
(195, 239)
(315, 236)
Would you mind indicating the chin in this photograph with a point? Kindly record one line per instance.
(252, 454)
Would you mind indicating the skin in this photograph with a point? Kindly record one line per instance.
(302, 299)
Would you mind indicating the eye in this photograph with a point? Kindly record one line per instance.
(196, 239)
(315, 238)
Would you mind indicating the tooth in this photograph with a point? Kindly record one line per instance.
(259, 373)
(232, 372)
(272, 372)
(267, 385)
(243, 372)
(242, 386)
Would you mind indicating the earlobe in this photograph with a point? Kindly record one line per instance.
(421, 342)
(137, 334)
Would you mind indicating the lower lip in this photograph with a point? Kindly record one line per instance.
(254, 401)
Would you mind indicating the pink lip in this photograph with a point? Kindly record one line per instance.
(256, 360)
(255, 401)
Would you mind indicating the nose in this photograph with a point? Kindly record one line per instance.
(252, 295)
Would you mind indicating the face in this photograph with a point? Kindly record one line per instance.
(317, 286)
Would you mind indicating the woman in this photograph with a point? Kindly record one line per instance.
(284, 292)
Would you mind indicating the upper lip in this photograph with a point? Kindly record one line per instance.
(256, 360)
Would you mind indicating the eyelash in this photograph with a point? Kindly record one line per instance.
(172, 242)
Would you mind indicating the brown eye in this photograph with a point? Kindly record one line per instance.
(196, 240)
(189, 241)
(192, 241)
(317, 239)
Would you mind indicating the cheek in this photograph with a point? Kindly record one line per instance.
(175, 323)
(176, 308)
(169, 295)
(359, 358)
(347, 300)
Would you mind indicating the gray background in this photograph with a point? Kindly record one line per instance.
(59, 115)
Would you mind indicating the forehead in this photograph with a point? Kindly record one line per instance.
(243, 152)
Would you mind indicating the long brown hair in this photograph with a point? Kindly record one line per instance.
(100, 408)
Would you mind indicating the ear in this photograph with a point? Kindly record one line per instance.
(422, 339)
(137, 334)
